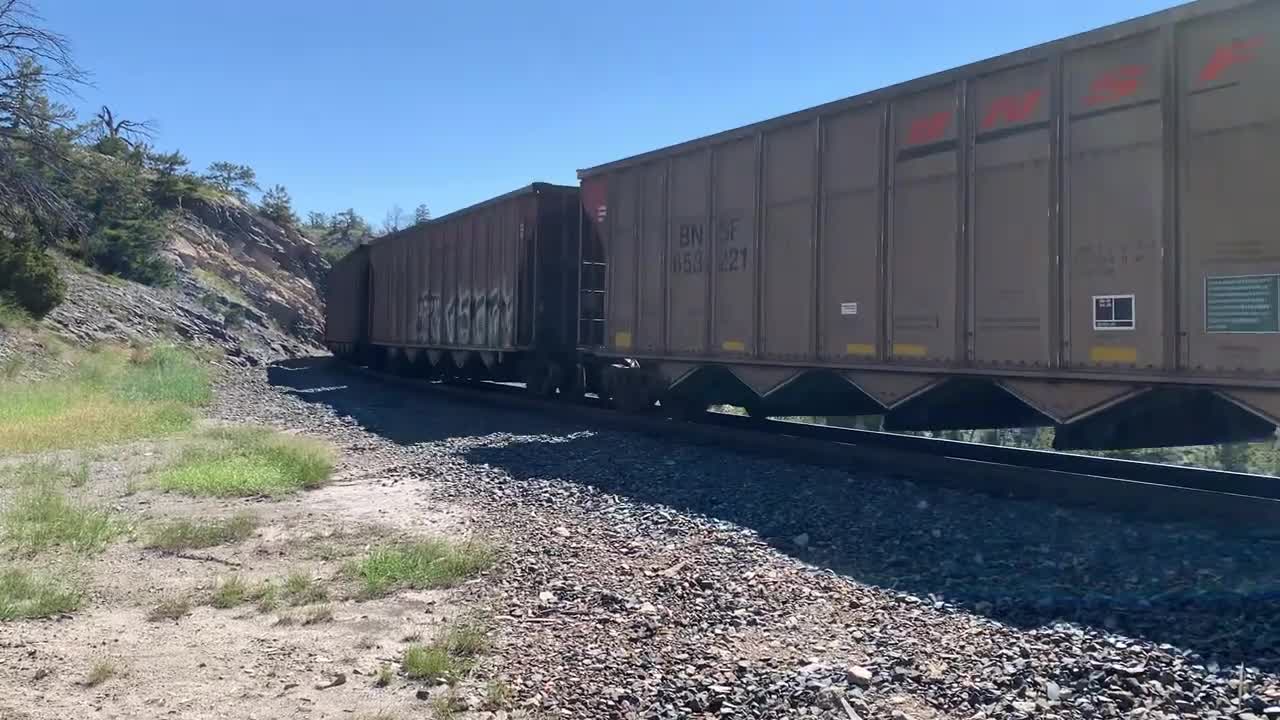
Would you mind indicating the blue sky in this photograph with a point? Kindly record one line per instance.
(386, 102)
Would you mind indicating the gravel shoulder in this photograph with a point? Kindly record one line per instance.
(644, 579)
(651, 580)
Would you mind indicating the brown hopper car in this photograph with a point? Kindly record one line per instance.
(1083, 234)
(485, 292)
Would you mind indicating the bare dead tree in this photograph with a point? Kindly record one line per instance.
(130, 132)
(394, 220)
(35, 64)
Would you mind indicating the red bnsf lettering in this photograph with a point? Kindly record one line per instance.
(1011, 109)
(1228, 56)
(930, 128)
(1115, 84)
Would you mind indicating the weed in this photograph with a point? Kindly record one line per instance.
(449, 656)
(384, 677)
(12, 366)
(302, 589)
(229, 593)
(191, 535)
(423, 662)
(317, 615)
(268, 597)
(445, 705)
(24, 595)
(366, 643)
(248, 461)
(286, 620)
(170, 609)
(422, 565)
(41, 516)
(497, 694)
(102, 671)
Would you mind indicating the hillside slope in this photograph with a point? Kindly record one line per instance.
(245, 285)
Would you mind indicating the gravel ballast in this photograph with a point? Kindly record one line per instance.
(641, 578)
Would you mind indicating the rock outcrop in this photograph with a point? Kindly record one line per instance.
(245, 285)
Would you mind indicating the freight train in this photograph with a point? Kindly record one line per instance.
(1083, 234)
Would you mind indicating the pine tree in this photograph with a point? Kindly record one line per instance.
(277, 205)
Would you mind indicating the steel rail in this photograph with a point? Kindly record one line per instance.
(1237, 501)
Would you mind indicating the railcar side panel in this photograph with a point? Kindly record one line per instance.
(1010, 232)
(623, 221)
(651, 323)
(850, 251)
(786, 321)
(687, 252)
(732, 248)
(1229, 89)
(925, 229)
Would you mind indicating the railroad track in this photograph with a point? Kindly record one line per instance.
(1238, 501)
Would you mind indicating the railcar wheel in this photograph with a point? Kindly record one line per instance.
(542, 378)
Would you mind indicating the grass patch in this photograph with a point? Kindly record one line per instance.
(248, 461)
(384, 677)
(42, 516)
(193, 535)
(302, 589)
(110, 396)
(449, 657)
(421, 565)
(13, 317)
(24, 595)
(317, 615)
(268, 597)
(229, 593)
(102, 671)
(170, 609)
(217, 282)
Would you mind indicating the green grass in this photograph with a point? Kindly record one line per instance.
(25, 595)
(229, 593)
(110, 395)
(421, 565)
(449, 657)
(384, 677)
(193, 535)
(246, 462)
(41, 516)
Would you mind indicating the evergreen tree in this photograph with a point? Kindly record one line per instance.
(421, 213)
(277, 205)
(232, 179)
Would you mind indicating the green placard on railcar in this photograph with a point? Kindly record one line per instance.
(1242, 304)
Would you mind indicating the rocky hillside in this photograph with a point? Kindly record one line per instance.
(245, 285)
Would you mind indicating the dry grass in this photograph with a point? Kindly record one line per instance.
(317, 615)
(193, 535)
(24, 594)
(101, 671)
(170, 609)
(111, 396)
(229, 593)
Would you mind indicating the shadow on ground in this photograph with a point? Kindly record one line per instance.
(1023, 563)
